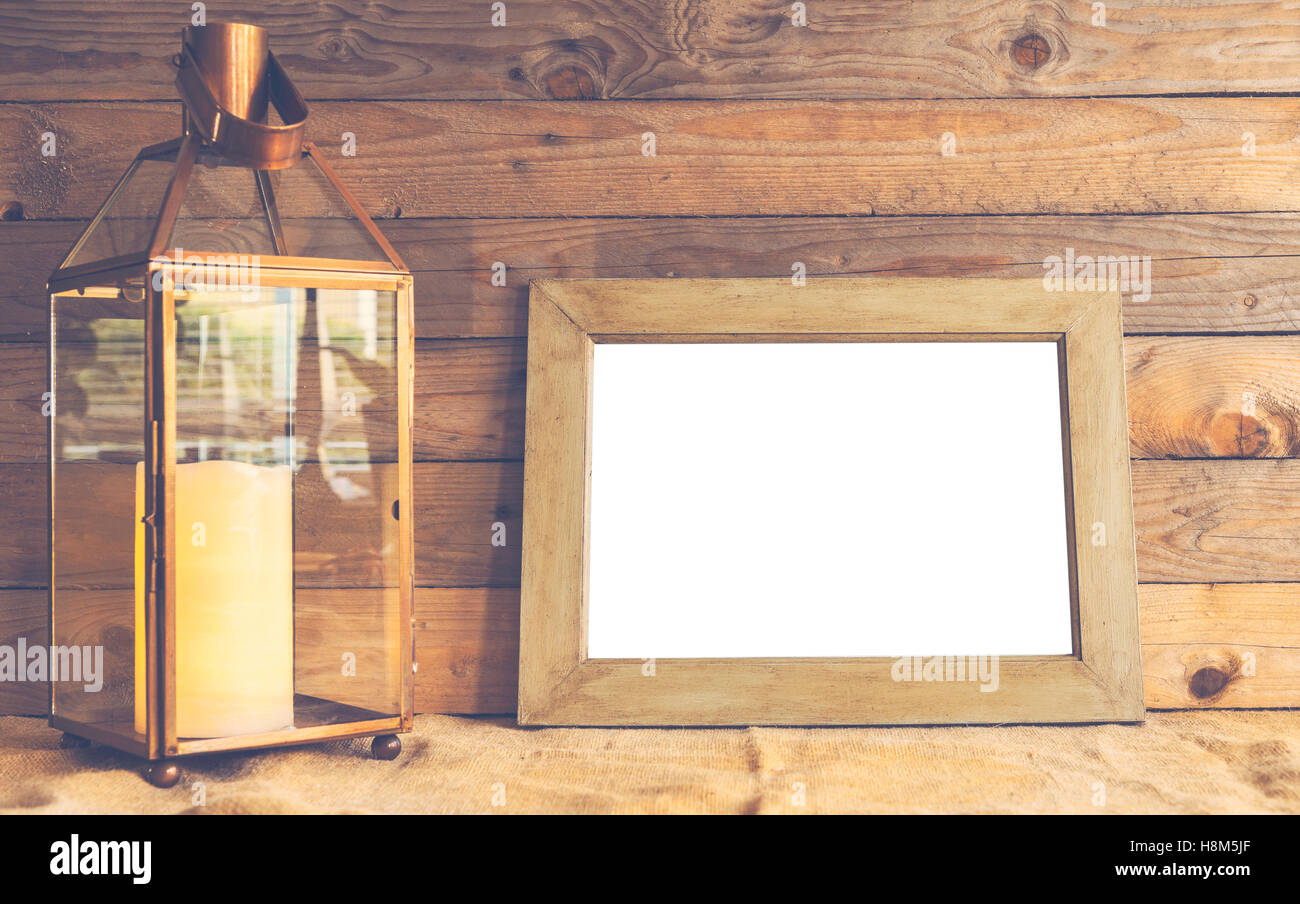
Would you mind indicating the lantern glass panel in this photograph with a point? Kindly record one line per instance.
(222, 211)
(126, 222)
(287, 569)
(316, 219)
(97, 454)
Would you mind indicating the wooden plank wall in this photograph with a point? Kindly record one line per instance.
(1163, 128)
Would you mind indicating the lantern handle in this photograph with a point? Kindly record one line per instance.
(242, 140)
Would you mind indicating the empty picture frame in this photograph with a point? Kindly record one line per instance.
(856, 501)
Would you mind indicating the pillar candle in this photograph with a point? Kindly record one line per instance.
(234, 599)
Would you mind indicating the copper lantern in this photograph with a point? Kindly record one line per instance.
(230, 446)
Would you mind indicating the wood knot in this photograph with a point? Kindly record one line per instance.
(569, 69)
(1209, 672)
(118, 640)
(1208, 682)
(334, 48)
(11, 211)
(1250, 301)
(1224, 432)
(1030, 50)
(1252, 437)
(569, 83)
(1236, 434)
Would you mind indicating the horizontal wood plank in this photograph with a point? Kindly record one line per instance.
(1188, 397)
(1210, 521)
(24, 531)
(1216, 397)
(345, 647)
(469, 399)
(25, 614)
(1220, 645)
(1197, 522)
(466, 650)
(1203, 645)
(727, 158)
(467, 527)
(100, 401)
(62, 49)
(1209, 273)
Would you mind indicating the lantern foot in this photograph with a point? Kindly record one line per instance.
(71, 741)
(386, 747)
(163, 773)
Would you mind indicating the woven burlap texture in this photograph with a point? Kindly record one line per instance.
(1184, 762)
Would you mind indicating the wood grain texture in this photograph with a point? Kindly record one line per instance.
(24, 614)
(467, 650)
(24, 378)
(835, 309)
(727, 158)
(361, 623)
(469, 405)
(466, 522)
(1203, 646)
(1221, 645)
(1188, 397)
(24, 531)
(1197, 521)
(1189, 517)
(557, 509)
(457, 508)
(1211, 273)
(492, 167)
(469, 399)
(1103, 582)
(1214, 397)
(65, 49)
(1198, 641)
(1208, 521)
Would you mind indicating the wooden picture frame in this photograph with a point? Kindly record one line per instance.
(560, 685)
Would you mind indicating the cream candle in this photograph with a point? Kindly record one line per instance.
(234, 599)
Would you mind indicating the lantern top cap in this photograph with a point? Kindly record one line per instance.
(233, 59)
(228, 78)
(232, 182)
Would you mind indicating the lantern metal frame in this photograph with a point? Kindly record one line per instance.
(152, 274)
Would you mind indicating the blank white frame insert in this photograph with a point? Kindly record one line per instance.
(827, 499)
